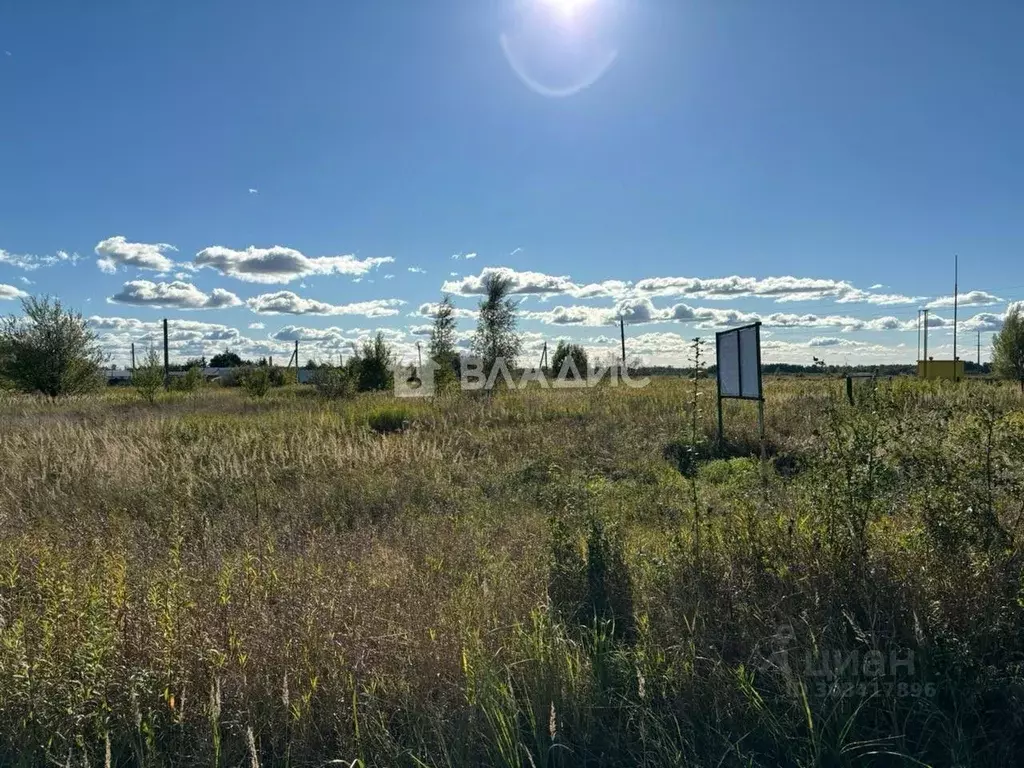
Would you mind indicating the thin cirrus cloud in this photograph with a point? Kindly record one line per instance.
(279, 264)
(30, 261)
(117, 252)
(176, 295)
(288, 303)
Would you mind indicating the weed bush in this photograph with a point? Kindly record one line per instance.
(255, 380)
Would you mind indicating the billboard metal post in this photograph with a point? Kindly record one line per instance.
(167, 359)
(718, 382)
(760, 389)
(736, 379)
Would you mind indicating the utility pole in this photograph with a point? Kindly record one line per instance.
(622, 334)
(956, 297)
(979, 351)
(133, 356)
(926, 343)
(419, 356)
(296, 359)
(167, 360)
(919, 335)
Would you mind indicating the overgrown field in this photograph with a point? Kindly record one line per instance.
(539, 578)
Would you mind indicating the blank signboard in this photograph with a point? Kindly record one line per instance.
(729, 364)
(739, 357)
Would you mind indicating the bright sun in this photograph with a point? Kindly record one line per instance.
(567, 7)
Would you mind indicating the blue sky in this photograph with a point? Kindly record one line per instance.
(690, 165)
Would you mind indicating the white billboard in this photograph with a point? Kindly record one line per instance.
(738, 362)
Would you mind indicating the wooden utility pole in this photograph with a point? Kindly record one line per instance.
(919, 335)
(956, 297)
(926, 343)
(133, 356)
(167, 360)
(296, 359)
(419, 355)
(622, 334)
(544, 356)
(979, 351)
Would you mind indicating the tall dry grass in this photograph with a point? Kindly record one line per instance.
(552, 578)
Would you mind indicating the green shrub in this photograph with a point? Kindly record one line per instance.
(565, 352)
(282, 377)
(189, 382)
(49, 349)
(334, 383)
(256, 381)
(389, 419)
(148, 379)
(375, 363)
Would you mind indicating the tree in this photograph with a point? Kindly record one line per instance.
(49, 349)
(148, 378)
(564, 352)
(442, 344)
(226, 359)
(496, 335)
(375, 363)
(1008, 347)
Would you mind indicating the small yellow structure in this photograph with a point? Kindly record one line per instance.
(953, 370)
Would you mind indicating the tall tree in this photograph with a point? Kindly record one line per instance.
(442, 335)
(1008, 347)
(375, 365)
(49, 349)
(496, 335)
(566, 351)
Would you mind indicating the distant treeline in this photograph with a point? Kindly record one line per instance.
(792, 369)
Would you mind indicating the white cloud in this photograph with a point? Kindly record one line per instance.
(389, 277)
(178, 295)
(515, 251)
(256, 326)
(430, 310)
(286, 302)
(281, 265)
(253, 191)
(117, 251)
(417, 270)
(25, 280)
(522, 282)
(969, 299)
(10, 292)
(29, 261)
(782, 288)
(833, 341)
(469, 256)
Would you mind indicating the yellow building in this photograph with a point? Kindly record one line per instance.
(940, 369)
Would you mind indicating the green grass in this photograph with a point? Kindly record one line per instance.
(538, 578)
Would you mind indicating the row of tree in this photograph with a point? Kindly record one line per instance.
(51, 350)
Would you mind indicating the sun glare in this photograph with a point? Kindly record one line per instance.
(567, 7)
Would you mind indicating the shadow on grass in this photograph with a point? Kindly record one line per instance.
(689, 458)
